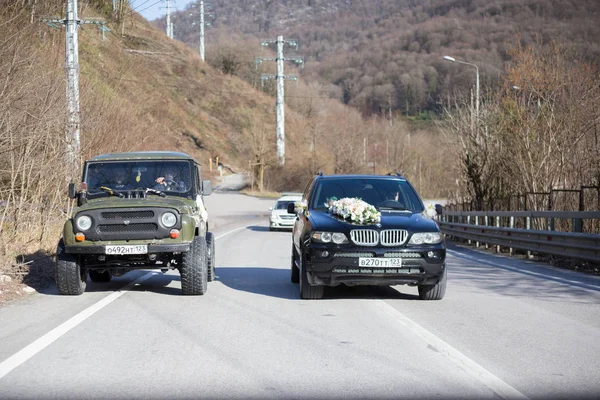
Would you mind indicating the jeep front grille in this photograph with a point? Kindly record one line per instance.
(393, 237)
(127, 214)
(364, 237)
(131, 228)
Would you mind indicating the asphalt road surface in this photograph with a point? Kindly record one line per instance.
(506, 329)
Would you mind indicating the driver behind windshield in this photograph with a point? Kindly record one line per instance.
(170, 181)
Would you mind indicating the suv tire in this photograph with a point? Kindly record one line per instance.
(210, 256)
(307, 291)
(434, 292)
(294, 271)
(194, 271)
(70, 276)
(100, 276)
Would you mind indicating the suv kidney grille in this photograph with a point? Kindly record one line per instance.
(126, 214)
(364, 237)
(393, 237)
(132, 228)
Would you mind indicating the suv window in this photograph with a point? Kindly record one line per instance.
(132, 175)
(381, 193)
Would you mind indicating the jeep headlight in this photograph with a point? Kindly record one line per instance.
(425, 238)
(328, 237)
(168, 219)
(83, 223)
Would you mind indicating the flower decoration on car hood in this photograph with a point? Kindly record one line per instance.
(355, 210)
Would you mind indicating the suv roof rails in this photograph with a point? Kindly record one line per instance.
(396, 173)
(320, 173)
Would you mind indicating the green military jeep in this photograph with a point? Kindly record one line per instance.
(139, 210)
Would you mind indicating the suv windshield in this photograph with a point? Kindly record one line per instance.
(166, 176)
(392, 194)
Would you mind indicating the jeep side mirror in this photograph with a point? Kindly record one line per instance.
(206, 187)
(72, 193)
(291, 209)
(438, 209)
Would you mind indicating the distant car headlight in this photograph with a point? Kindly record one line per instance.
(84, 223)
(169, 219)
(274, 217)
(328, 237)
(425, 238)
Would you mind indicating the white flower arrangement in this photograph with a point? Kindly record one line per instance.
(355, 210)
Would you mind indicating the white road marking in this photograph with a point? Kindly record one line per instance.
(526, 272)
(491, 381)
(40, 344)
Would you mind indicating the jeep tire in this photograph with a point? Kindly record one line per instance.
(100, 276)
(70, 275)
(434, 292)
(210, 252)
(194, 269)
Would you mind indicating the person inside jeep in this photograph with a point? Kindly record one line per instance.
(170, 181)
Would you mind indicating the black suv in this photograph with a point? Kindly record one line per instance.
(399, 244)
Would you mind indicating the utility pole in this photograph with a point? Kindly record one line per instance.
(169, 26)
(280, 77)
(72, 134)
(202, 24)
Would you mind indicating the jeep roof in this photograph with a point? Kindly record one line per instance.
(143, 155)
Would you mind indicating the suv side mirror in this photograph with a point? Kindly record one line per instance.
(71, 192)
(206, 187)
(438, 209)
(291, 209)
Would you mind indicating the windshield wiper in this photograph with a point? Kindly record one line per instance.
(111, 192)
(155, 191)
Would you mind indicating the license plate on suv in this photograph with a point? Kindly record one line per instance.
(126, 249)
(379, 262)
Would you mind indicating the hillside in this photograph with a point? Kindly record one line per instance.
(383, 54)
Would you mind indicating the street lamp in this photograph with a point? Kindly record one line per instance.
(452, 59)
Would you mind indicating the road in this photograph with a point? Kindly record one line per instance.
(507, 328)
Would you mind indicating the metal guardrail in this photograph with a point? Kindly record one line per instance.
(532, 231)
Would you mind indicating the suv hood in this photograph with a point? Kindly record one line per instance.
(412, 222)
(179, 204)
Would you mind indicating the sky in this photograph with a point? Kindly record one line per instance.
(152, 9)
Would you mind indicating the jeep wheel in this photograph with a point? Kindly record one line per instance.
(294, 271)
(210, 255)
(194, 271)
(434, 292)
(100, 276)
(307, 291)
(70, 276)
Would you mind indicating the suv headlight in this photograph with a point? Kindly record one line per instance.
(169, 219)
(328, 237)
(426, 238)
(83, 223)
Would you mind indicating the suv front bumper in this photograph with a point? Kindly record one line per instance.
(340, 265)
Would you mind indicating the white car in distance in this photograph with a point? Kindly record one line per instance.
(279, 218)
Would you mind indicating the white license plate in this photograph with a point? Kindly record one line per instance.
(379, 262)
(127, 249)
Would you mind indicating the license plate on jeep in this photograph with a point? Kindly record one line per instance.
(379, 262)
(126, 249)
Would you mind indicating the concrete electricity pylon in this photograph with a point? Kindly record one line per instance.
(72, 22)
(202, 24)
(169, 28)
(280, 77)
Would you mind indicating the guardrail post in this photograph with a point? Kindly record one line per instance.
(512, 225)
(487, 223)
(577, 225)
(469, 222)
(477, 223)
(528, 226)
(498, 226)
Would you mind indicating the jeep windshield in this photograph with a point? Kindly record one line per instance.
(385, 194)
(150, 176)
